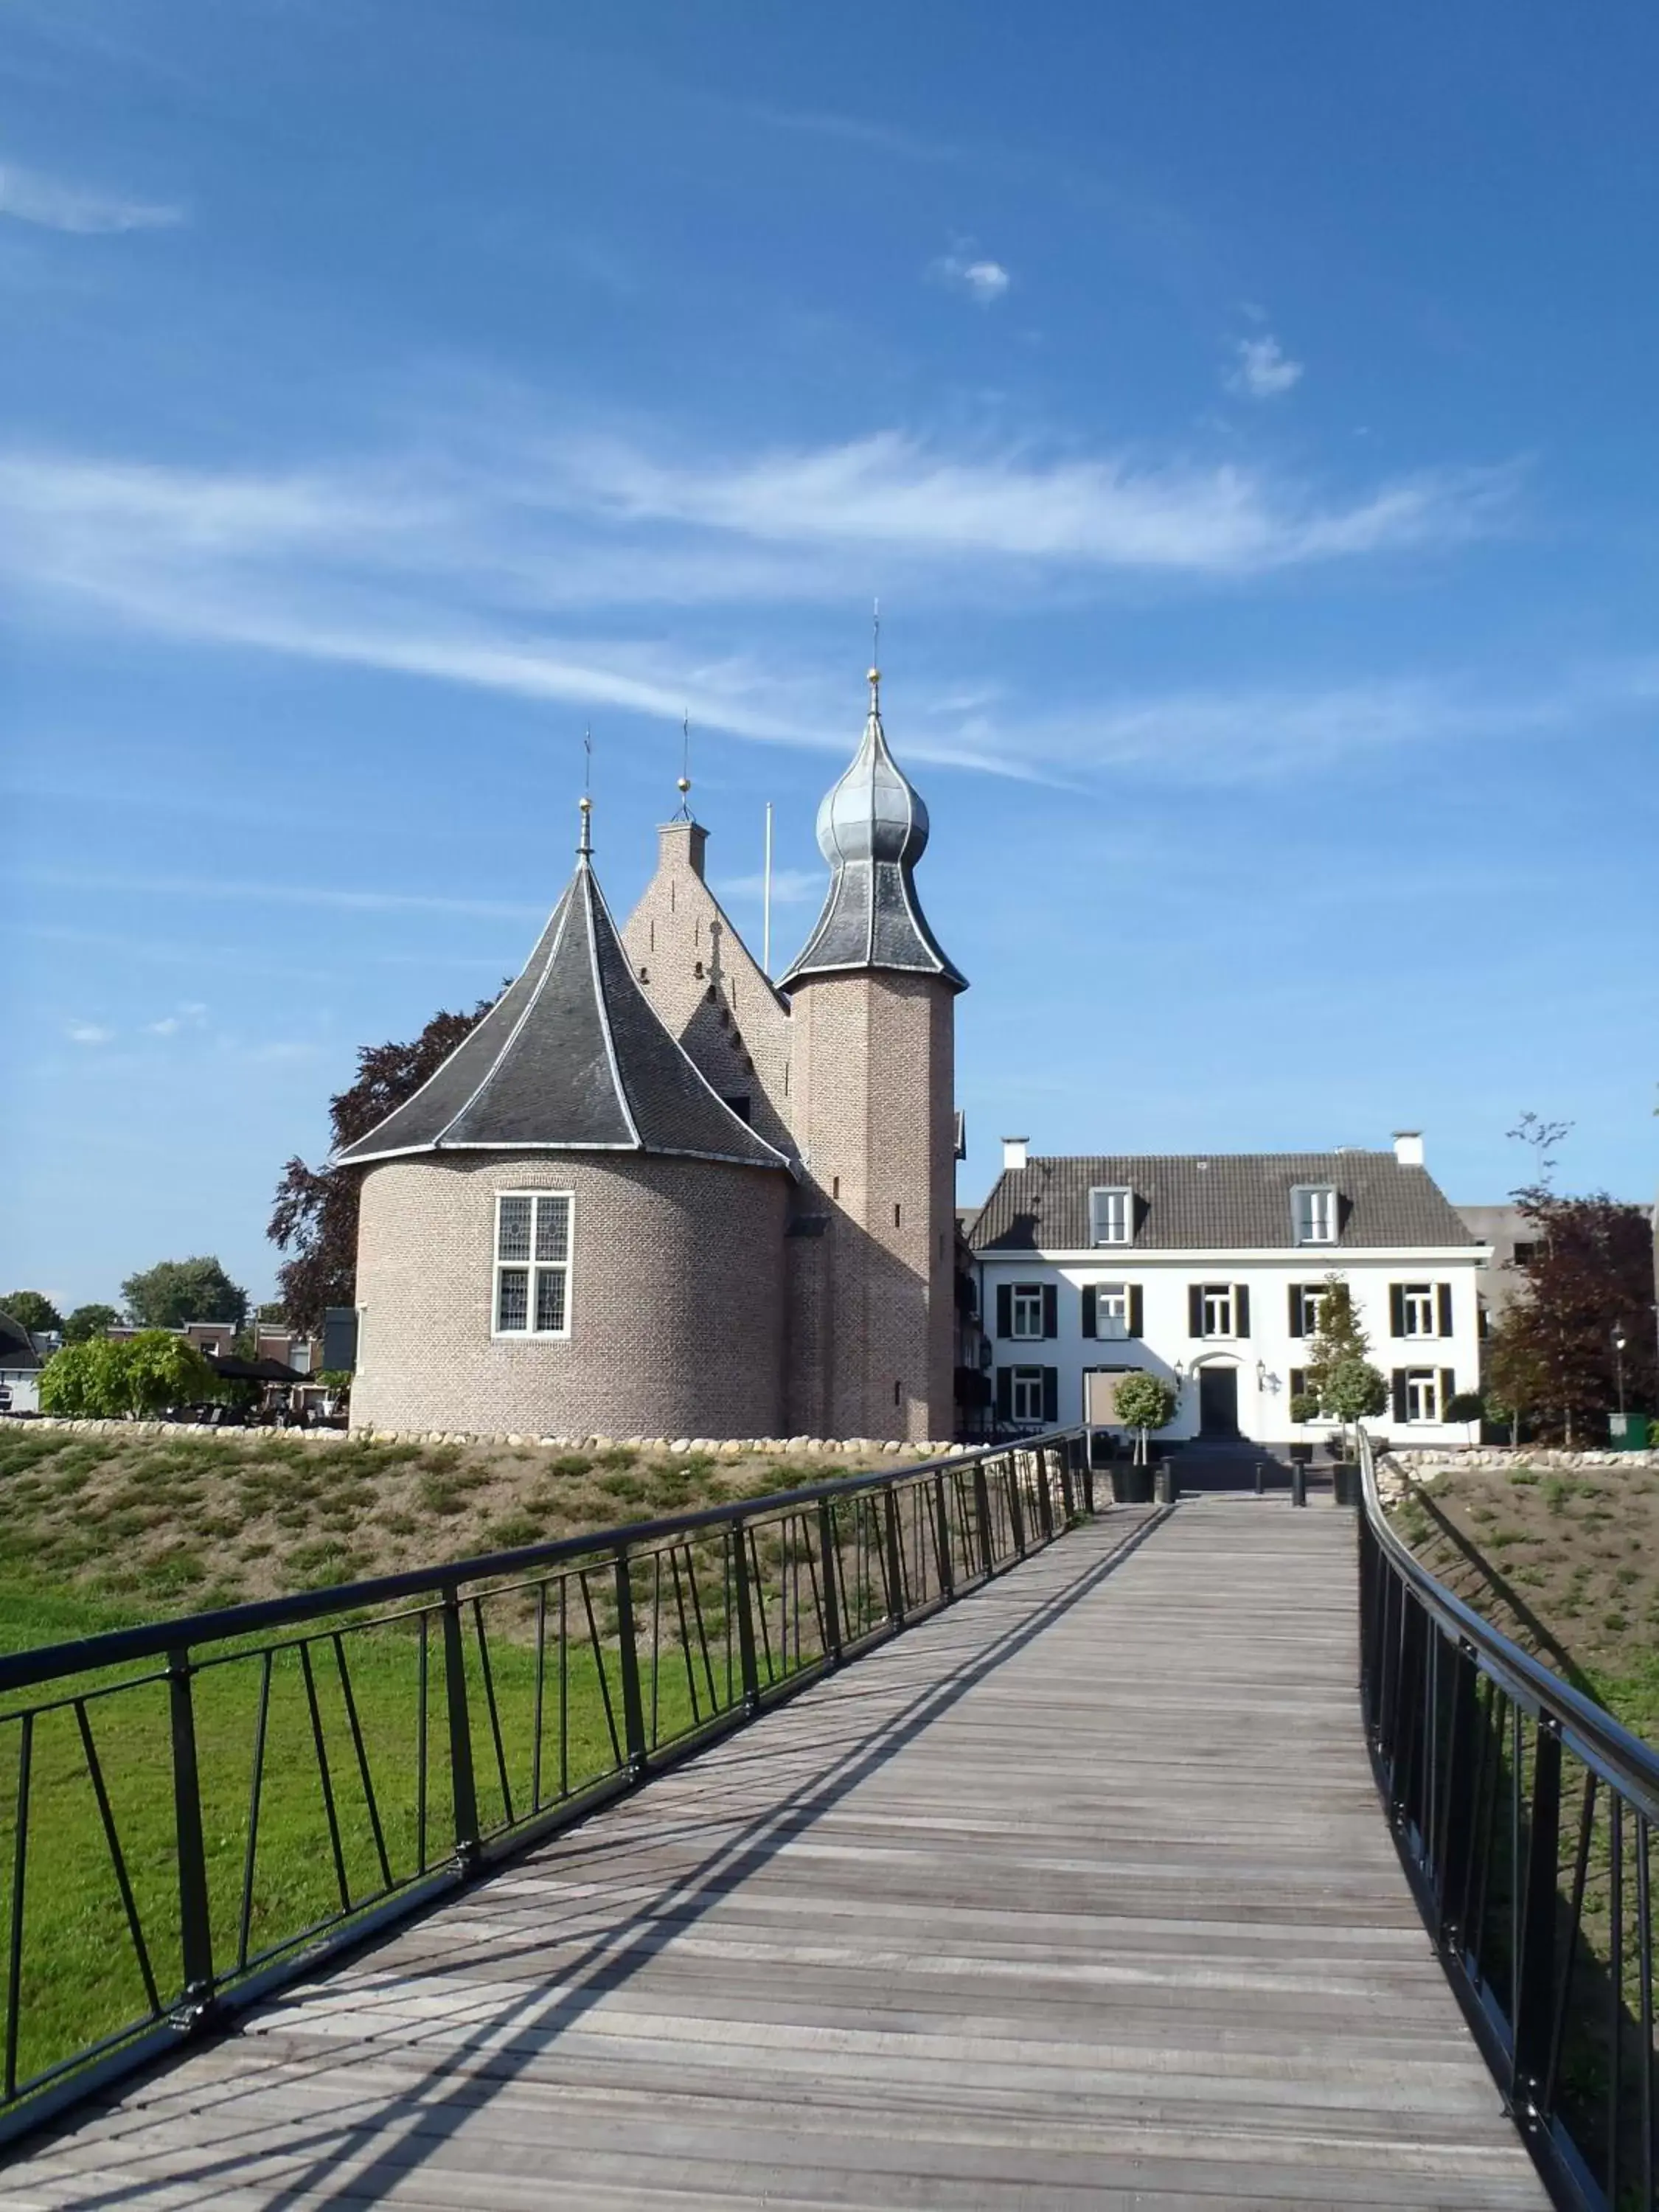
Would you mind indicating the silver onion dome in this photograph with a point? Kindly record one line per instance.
(872, 830)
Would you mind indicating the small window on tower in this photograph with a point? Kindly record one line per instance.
(898, 1216)
(532, 1263)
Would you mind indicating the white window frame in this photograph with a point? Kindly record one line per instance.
(1226, 1300)
(1420, 1302)
(1116, 1219)
(1314, 1296)
(1026, 1381)
(1023, 1300)
(1423, 1394)
(1314, 1213)
(1112, 1312)
(532, 1267)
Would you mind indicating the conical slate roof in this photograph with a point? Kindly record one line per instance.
(571, 1058)
(872, 830)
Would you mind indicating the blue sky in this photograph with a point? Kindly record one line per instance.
(1245, 416)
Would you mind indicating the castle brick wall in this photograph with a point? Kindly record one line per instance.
(707, 988)
(677, 1299)
(873, 1067)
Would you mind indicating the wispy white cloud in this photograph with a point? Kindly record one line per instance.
(192, 1015)
(30, 195)
(1262, 369)
(982, 280)
(87, 1033)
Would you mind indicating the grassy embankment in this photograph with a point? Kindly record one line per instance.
(100, 1532)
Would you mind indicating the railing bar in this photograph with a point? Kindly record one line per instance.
(1644, 1942)
(360, 1749)
(19, 1871)
(1517, 1755)
(1580, 1875)
(751, 1553)
(685, 1634)
(536, 1719)
(564, 1687)
(117, 1857)
(702, 1633)
(255, 1789)
(499, 1748)
(422, 1697)
(598, 1661)
(325, 1778)
(656, 1641)
(814, 1583)
(1616, 1986)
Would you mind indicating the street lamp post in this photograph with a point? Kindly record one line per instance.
(1618, 1342)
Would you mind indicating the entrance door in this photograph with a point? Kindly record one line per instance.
(1218, 1402)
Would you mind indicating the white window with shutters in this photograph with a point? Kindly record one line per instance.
(1417, 1304)
(1025, 1311)
(1422, 1395)
(1314, 1213)
(1215, 1310)
(532, 1263)
(1112, 1310)
(1025, 1393)
(1111, 1216)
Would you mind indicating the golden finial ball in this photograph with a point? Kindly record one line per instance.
(683, 783)
(586, 803)
(874, 677)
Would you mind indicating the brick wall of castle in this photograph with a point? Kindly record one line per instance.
(676, 1300)
(873, 1067)
(707, 987)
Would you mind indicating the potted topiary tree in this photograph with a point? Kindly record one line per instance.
(1145, 1402)
(1354, 1390)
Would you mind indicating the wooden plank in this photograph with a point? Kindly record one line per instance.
(1078, 1893)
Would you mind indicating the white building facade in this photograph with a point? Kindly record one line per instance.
(1208, 1271)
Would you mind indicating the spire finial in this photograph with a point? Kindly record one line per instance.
(875, 657)
(684, 784)
(585, 843)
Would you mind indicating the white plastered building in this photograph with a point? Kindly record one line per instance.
(1207, 1269)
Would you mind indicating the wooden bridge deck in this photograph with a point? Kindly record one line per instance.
(1078, 1895)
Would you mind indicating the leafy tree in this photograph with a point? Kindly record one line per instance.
(1339, 1337)
(1466, 1405)
(174, 1291)
(33, 1311)
(1514, 1374)
(104, 1379)
(1145, 1402)
(1354, 1391)
(1588, 1277)
(87, 1321)
(315, 1211)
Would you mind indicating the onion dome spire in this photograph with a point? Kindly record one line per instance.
(872, 830)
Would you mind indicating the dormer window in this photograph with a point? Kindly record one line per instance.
(1111, 1216)
(1313, 1213)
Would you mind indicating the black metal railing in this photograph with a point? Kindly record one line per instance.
(1525, 1816)
(195, 1811)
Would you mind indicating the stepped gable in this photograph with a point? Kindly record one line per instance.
(572, 1058)
(872, 830)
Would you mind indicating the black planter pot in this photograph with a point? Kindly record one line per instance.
(1131, 1486)
(1345, 1474)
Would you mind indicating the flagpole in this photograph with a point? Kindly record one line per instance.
(766, 898)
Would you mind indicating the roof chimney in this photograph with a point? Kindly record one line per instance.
(1014, 1154)
(1408, 1147)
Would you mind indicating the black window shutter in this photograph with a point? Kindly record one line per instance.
(1299, 1322)
(1004, 1308)
(1447, 1388)
(1298, 1381)
(1194, 1309)
(1090, 1297)
(1397, 1309)
(1442, 1297)
(1005, 1394)
(1400, 1394)
(1137, 1311)
(1240, 1309)
(1051, 1394)
(1050, 1310)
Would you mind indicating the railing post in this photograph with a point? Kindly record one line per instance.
(1045, 1493)
(633, 1703)
(745, 1617)
(982, 1516)
(1536, 1968)
(1457, 1814)
(463, 1789)
(1085, 1460)
(827, 1576)
(1067, 1495)
(195, 1927)
(947, 1580)
(895, 1557)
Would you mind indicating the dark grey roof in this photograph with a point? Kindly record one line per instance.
(872, 830)
(1217, 1200)
(571, 1058)
(17, 1354)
